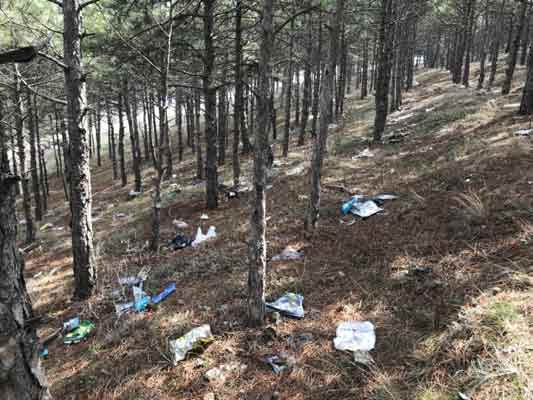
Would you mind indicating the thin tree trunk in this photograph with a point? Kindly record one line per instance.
(179, 123)
(513, 53)
(98, 118)
(210, 95)
(131, 115)
(320, 140)
(198, 133)
(121, 152)
(34, 170)
(307, 81)
(26, 198)
(495, 47)
(111, 135)
(318, 77)
(258, 244)
(288, 127)
(526, 104)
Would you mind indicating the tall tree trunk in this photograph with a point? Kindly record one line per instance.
(296, 67)
(34, 170)
(84, 263)
(98, 118)
(65, 149)
(179, 123)
(515, 46)
(495, 46)
(26, 198)
(131, 115)
(364, 69)
(526, 37)
(483, 56)
(111, 142)
(21, 373)
(384, 68)
(121, 152)
(210, 95)
(318, 77)
(258, 244)
(288, 127)
(320, 140)
(43, 172)
(198, 133)
(526, 104)
(307, 81)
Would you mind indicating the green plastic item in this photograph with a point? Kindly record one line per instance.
(80, 333)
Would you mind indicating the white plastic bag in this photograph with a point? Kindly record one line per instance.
(355, 336)
(181, 346)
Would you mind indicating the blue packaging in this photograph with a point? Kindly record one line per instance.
(167, 291)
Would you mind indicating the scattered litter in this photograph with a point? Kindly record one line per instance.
(44, 352)
(129, 280)
(122, 308)
(174, 187)
(290, 304)
(180, 224)
(523, 132)
(289, 254)
(141, 299)
(355, 336)
(401, 117)
(428, 110)
(281, 363)
(200, 237)
(167, 291)
(195, 339)
(133, 194)
(419, 271)
(303, 197)
(120, 215)
(220, 375)
(511, 105)
(180, 242)
(38, 274)
(366, 153)
(298, 170)
(59, 228)
(204, 217)
(366, 209)
(46, 226)
(333, 126)
(71, 324)
(462, 396)
(80, 333)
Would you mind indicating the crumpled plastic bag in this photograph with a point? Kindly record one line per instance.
(196, 338)
(290, 304)
(366, 209)
(355, 336)
(200, 237)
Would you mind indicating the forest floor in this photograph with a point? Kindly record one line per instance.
(465, 210)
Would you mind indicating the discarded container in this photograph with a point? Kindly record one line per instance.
(44, 352)
(346, 207)
(204, 217)
(290, 304)
(133, 194)
(196, 338)
(71, 324)
(289, 254)
(141, 304)
(355, 336)
(180, 242)
(167, 291)
(80, 333)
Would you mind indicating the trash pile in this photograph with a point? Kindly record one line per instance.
(131, 288)
(366, 207)
(182, 241)
(74, 331)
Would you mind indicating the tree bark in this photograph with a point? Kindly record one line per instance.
(121, 153)
(210, 95)
(513, 53)
(34, 170)
(288, 127)
(526, 104)
(26, 198)
(111, 135)
(307, 81)
(320, 140)
(258, 244)
(84, 263)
